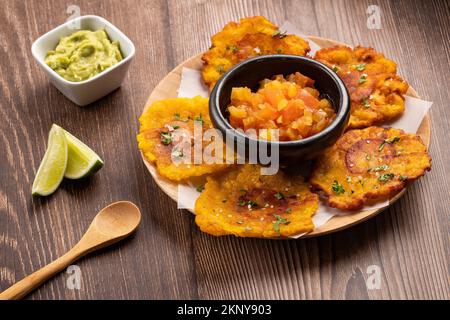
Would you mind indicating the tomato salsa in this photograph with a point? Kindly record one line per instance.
(290, 104)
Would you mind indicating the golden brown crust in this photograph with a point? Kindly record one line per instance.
(244, 203)
(165, 118)
(369, 164)
(376, 91)
(239, 41)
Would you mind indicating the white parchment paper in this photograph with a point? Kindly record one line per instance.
(192, 85)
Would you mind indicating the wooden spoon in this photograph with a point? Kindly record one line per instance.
(113, 223)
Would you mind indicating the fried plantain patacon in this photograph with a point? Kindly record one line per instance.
(250, 37)
(376, 91)
(167, 131)
(368, 165)
(244, 203)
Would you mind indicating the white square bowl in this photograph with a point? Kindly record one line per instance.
(85, 92)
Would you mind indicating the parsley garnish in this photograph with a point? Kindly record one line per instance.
(200, 188)
(220, 68)
(363, 78)
(279, 220)
(365, 103)
(403, 178)
(288, 210)
(383, 167)
(386, 177)
(176, 127)
(279, 34)
(393, 139)
(199, 118)
(360, 67)
(177, 154)
(252, 204)
(233, 48)
(166, 138)
(390, 141)
(335, 68)
(279, 195)
(337, 187)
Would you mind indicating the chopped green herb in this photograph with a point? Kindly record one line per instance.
(363, 78)
(233, 48)
(176, 127)
(365, 103)
(220, 68)
(403, 178)
(278, 34)
(360, 67)
(279, 195)
(177, 154)
(288, 210)
(383, 167)
(386, 177)
(242, 202)
(199, 118)
(337, 187)
(392, 139)
(177, 116)
(335, 68)
(166, 138)
(200, 188)
(252, 204)
(279, 220)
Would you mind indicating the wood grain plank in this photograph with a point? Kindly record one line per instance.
(157, 262)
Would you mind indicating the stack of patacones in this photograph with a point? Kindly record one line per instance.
(368, 163)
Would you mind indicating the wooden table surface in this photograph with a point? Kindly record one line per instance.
(169, 257)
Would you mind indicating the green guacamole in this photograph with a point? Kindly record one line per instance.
(83, 55)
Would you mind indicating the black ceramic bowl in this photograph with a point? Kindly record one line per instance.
(248, 74)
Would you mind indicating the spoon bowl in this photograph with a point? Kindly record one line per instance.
(119, 219)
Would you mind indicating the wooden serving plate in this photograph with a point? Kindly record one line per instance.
(168, 88)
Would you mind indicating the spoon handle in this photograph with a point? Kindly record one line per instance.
(34, 280)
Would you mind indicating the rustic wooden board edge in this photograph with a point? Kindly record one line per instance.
(168, 88)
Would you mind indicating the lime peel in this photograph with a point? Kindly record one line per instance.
(82, 160)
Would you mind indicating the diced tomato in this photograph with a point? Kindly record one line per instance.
(293, 111)
(308, 99)
(273, 96)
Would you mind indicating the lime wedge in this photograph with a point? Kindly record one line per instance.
(53, 165)
(82, 161)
